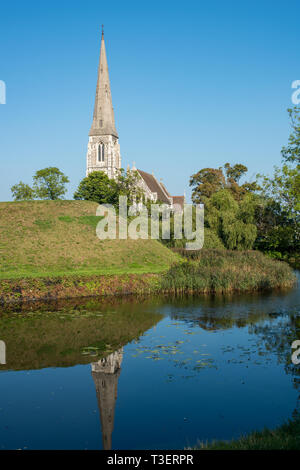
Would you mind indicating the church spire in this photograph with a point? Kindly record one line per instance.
(103, 119)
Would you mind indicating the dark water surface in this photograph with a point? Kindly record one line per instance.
(147, 373)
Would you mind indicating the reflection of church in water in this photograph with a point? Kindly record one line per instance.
(106, 374)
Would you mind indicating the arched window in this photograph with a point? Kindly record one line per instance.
(101, 152)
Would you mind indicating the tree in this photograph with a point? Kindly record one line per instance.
(99, 188)
(291, 153)
(230, 208)
(128, 185)
(205, 183)
(235, 172)
(279, 216)
(233, 222)
(284, 188)
(50, 183)
(208, 181)
(22, 192)
(233, 176)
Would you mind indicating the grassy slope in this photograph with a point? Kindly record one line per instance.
(58, 237)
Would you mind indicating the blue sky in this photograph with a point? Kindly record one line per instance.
(194, 84)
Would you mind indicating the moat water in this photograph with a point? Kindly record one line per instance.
(161, 373)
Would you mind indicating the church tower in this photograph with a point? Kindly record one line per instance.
(103, 152)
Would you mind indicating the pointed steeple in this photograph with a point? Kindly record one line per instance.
(106, 374)
(103, 119)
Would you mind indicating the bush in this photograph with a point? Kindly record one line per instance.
(222, 271)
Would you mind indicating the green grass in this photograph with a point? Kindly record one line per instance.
(285, 437)
(136, 269)
(53, 239)
(57, 238)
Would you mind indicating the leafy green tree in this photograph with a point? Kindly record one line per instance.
(230, 208)
(284, 188)
(234, 223)
(208, 181)
(235, 172)
(99, 188)
(205, 183)
(279, 215)
(22, 192)
(128, 185)
(291, 153)
(50, 183)
(233, 175)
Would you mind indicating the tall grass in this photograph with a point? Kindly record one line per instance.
(219, 271)
(285, 437)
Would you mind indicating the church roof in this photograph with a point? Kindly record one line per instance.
(179, 200)
(162, 193)
(155, 187)
(103, 118)
(165, 189)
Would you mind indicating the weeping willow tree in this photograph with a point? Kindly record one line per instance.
(232, 221)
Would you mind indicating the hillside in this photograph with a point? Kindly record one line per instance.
(42, 238)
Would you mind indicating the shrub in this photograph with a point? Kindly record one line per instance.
(227, 271)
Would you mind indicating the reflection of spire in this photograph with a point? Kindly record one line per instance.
(106, 374)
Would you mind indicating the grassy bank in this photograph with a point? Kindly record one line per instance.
(56, 238)
(227, 271)
(209, 272)
(49, 250)
(285, 437)
(74, 286)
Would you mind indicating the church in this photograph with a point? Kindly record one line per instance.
(103, 153)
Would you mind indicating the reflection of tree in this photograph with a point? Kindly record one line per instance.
(274, 318)
(278, 337)
(226, 311)
(214, 313)
(106, 374)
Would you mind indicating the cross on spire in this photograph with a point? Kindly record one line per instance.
(103, 30)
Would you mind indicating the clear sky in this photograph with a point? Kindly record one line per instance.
(194, 84)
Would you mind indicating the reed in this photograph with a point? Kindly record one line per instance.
(220, 271)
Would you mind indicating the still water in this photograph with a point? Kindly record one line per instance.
(147, 373)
